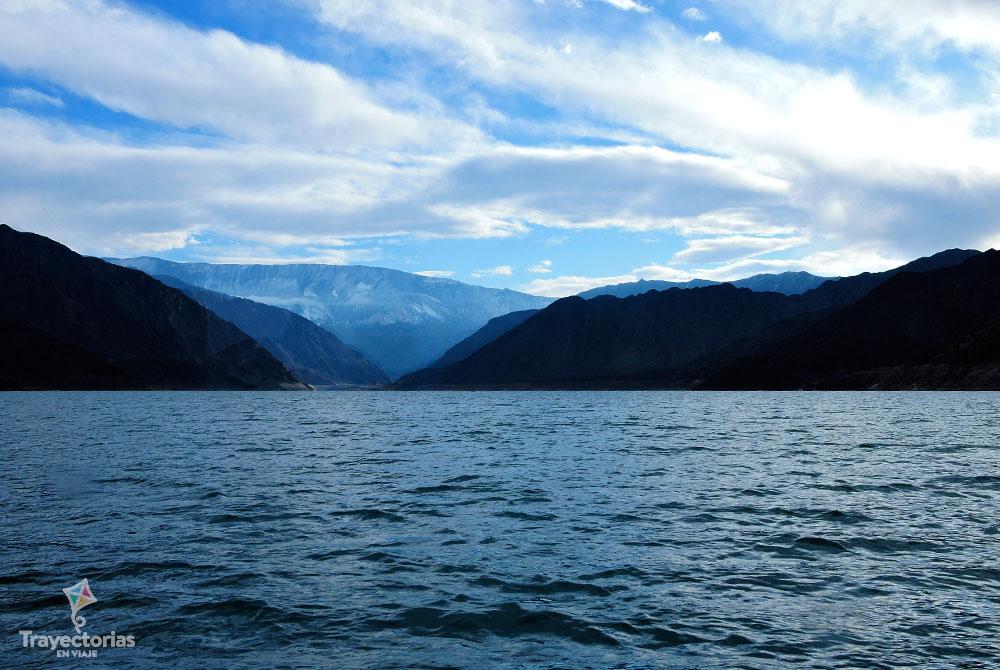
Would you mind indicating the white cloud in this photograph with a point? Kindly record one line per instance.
(926, 24)
(297, 153)
(103, 196)
(160, 241)
(250, 255)
(713, 37)
(629, 5)
(895, 166)
(558, 287)
(435, 273)
(716, 249)
(541, 267)
(498, 271)
(31, 97)
(694, 14)
(160, 70)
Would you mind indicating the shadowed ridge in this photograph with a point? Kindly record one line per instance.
(934, 329)
(643, 340)
(663, 339)
(493, 329)
(112, 327)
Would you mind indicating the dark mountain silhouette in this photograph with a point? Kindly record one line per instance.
(314, 355)
(936, 329)
(643, 340)
(642, 286)
(844, 291)
(493, 329)
(673, 338)
(72, 322)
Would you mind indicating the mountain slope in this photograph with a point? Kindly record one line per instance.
(643, 340)
(935, 329)
(668, 338)
(493, 329)
(399, 320)
(313, 354)
(74, 322)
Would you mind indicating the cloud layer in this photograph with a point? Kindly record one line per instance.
(397, 129)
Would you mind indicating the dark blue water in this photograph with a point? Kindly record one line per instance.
(538, 530)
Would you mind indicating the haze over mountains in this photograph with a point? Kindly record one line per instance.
(401, 321)
(74, 322)
(683, 338)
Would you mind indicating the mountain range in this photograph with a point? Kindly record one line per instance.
(678, 338)
(401, 321)
(789, 283)
(71, 322)
(936, 329)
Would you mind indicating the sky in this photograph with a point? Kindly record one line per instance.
(544, 146)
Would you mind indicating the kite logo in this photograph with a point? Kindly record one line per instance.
(79, 596)
(81, 645)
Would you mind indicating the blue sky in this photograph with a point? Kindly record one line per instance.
(547, 146)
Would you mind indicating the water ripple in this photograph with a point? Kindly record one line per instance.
(517, 530)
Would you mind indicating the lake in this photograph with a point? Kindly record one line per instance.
(510, 530)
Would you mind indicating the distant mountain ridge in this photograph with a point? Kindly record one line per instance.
(674, 338)
(788, 283)
(401, 321)
(72, 322)
(313, 354)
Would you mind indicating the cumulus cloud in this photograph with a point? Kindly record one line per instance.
(694, 14)
(435, 273)
(541, 267)
(498, 271)
(713, 37)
